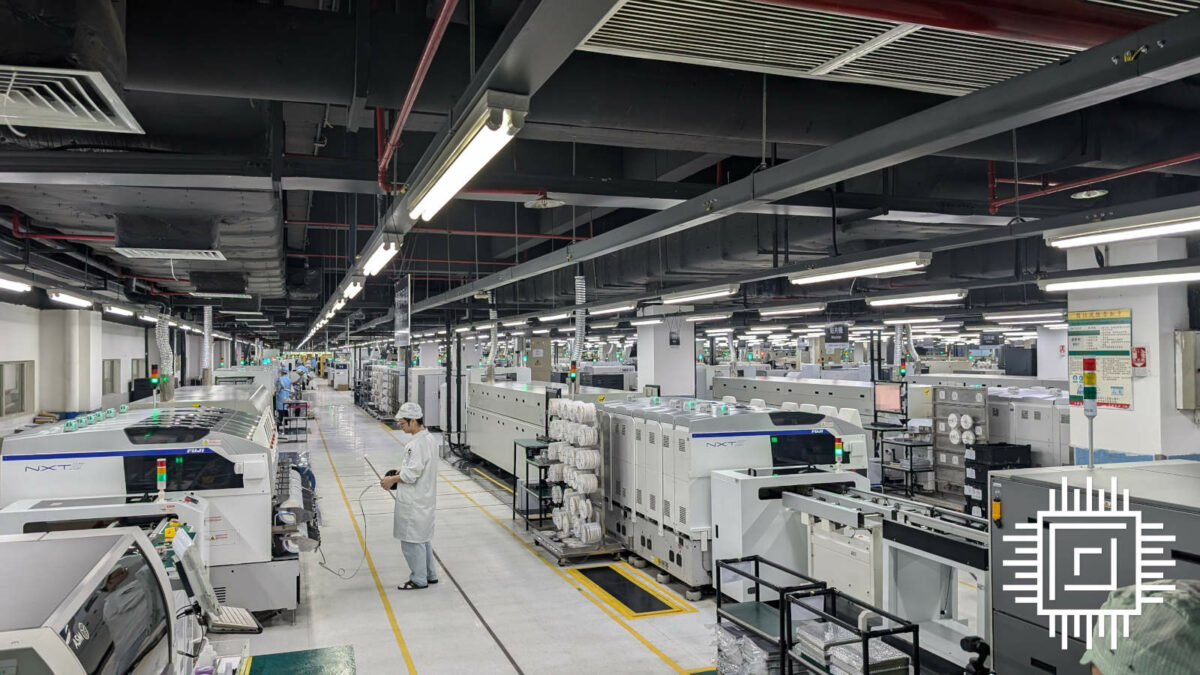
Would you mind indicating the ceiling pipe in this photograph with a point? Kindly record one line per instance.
(1065, 23)
(17, 233)
(995, 203)
(453, 261)
(331, 225)
(393, 140)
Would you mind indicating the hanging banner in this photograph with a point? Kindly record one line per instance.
(1106, 335)
(403, 308)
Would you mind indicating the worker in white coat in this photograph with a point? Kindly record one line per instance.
(416, 496)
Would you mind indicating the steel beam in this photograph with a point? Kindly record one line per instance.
(1156, 55)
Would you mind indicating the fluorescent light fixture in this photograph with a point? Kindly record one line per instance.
(513, 324)
(915, 319)
(611, 310)
(441, 332)
(1108, 233)
(1003, 316)
(68, 299)
(382, 255)
(15, 286)
(541, 331)
(645, 322)
(927, 298)
(866, 268)
(339, 304)
(147, 318)
(794, 309)
(683, 297)
(219, 294)
(460, 329)
(1122, 279)
(701, 318)
(715, 331)
(761, 330)
(119, 311)
(172, 324)
(353, 289)
(606, 325)
(554, 317)
(1056, 326)
(488, 128)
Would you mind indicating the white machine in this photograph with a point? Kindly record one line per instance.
(775, 391)
(252, 399)
(94, 601)
(425, 387)
(260, 515)
(1037, 417)
(387, 383)
(705, 373)
(261, 376)
(499, 413)
(664, 450)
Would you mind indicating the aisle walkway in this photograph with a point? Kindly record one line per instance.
(500, 606)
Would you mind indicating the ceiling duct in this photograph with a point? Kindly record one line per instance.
(57, 98)
(219, 285)
(179, 238)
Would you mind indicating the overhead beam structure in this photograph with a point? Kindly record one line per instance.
(1153, 56)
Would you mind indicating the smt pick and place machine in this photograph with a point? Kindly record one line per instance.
(663, 452)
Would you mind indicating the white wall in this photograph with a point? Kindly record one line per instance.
(1051, 354)
(22, 337)
(126, 343)
(672, 368)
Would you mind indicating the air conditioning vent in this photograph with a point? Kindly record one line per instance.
(57, 98)
(178, 238)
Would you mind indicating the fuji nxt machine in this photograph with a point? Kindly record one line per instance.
(260, 514)
(95, 601)
(663, 452)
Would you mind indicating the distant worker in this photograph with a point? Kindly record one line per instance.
(283, 392)
(302, 375)
(1162, 640)
(416, 497)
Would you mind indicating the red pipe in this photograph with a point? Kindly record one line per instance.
(1063, 23)
(16, 231)
(431, 46)
(1063, 187)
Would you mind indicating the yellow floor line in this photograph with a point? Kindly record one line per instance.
(666, 591)
(595, 601)
(387, 604)
(498, 483)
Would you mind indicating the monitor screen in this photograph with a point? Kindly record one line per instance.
(804, 449)
(888, 397)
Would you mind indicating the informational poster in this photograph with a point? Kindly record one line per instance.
(1107, 336)
(403, 307)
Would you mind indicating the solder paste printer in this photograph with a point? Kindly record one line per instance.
(661, 455)
(260, 515)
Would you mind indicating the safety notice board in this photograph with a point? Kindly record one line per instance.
(1107, 336)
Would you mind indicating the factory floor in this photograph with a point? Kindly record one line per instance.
(500, 607)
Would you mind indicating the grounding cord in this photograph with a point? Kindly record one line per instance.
(341, 571)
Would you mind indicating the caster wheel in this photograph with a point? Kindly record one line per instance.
(692, 596)
(562, 563)
(639, 563)
(616, 557)
(662, 577)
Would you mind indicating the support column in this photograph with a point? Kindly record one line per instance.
(71, 346)
(1152, 427)
(427, 354)
(667, 351)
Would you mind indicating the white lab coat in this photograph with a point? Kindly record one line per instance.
(416, 493)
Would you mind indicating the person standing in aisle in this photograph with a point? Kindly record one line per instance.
(416, 496)
(283, 392)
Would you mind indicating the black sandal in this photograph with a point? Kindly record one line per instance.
(410, 586)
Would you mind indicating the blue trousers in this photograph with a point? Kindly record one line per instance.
(419, 557)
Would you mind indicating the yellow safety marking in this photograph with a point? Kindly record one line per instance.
(620, 607)
(658, 588)
(498, 483)
(245, 669)
(387, 604)
(621, 622)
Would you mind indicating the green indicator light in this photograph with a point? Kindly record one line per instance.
(267, 360)
(838, 452)
(774, 439)
(154, 380)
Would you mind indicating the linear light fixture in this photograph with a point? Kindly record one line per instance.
(715, 331)
(1165, 224)
(119, 311)
(488, 128)
(645, 322)
(68, 299)
(701, 318)
(217, 295)
(541, 331)
(1005, 316)
(382, 255)
(1174, 275)
(1056, 326)
(554, 317)
(353, 289)
(866, 268)
(460, 329)
(147, 318)
(683, 297)
(927, 298)
(15, 286)
(912, 319)
(513, 324)
(611, 310)
(337, 306)
(811, 308)
(605, 325)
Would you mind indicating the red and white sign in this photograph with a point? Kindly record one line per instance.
(1138, 357)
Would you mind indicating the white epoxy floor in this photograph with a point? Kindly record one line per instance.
(544, 619)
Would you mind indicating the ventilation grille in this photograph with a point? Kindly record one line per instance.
(55, 98)
(682, 445)
(1163, 7)
(638, 496)
(683, 515)
(219, 591)
(653, 502)
(175, 254)
(667, 509)
(781, 40)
